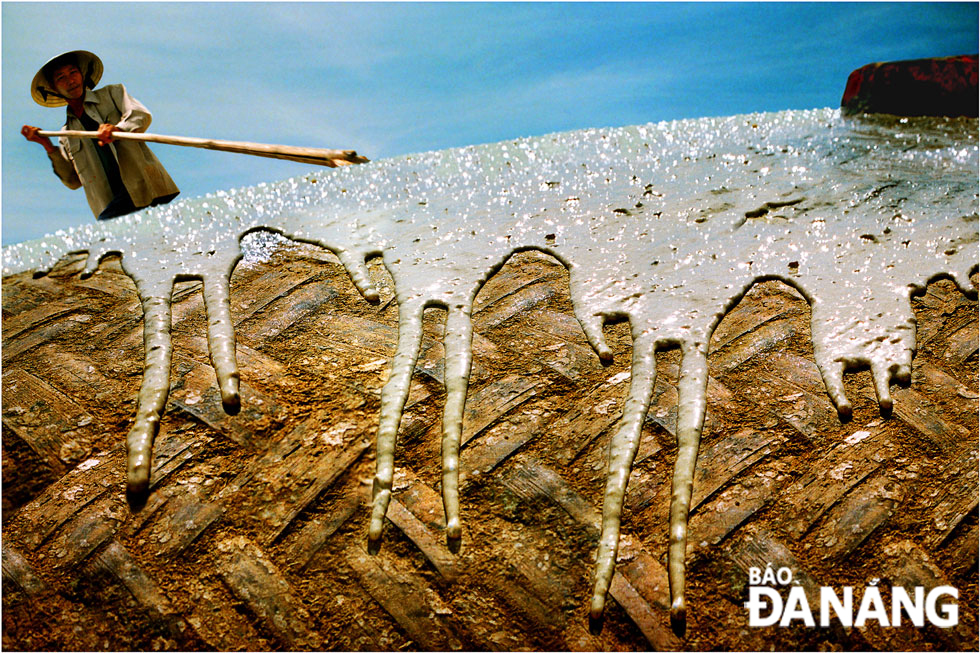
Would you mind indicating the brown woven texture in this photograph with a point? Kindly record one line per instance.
(255, 533)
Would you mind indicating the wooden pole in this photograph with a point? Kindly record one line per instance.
(317, 156)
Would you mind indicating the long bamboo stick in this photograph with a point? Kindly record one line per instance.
(317, 156)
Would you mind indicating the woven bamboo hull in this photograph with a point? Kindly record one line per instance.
(254, 536)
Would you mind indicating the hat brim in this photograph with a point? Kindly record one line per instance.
(41, 89)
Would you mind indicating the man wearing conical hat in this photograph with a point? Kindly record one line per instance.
(118, 176)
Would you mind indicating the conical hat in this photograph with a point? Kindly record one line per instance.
(44, 92)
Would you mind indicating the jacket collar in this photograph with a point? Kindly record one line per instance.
(89, 98)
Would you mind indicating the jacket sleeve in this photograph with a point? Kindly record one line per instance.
(64, 168)
(135, 117)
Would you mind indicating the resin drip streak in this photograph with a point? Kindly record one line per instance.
(622, 453)
(667, 225)
(393, 398)
(154, 389)
(221, 343)
(459, 356)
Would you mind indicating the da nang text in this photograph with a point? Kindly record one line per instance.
(776, 599)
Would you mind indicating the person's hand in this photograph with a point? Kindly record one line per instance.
(105, 133)
(31, 134)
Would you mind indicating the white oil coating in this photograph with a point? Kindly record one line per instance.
(393, 397)
(154, 389)
(667, 225)
(221, 342)
(622, 453)
(459, 357)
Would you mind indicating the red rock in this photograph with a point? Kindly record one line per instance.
(920, 87)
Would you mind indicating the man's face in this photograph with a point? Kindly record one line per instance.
(67, 80)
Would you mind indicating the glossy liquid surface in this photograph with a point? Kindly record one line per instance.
(667, 225)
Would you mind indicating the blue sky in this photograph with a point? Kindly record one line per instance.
(389, 79)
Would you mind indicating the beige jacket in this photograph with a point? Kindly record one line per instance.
(77, 163)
